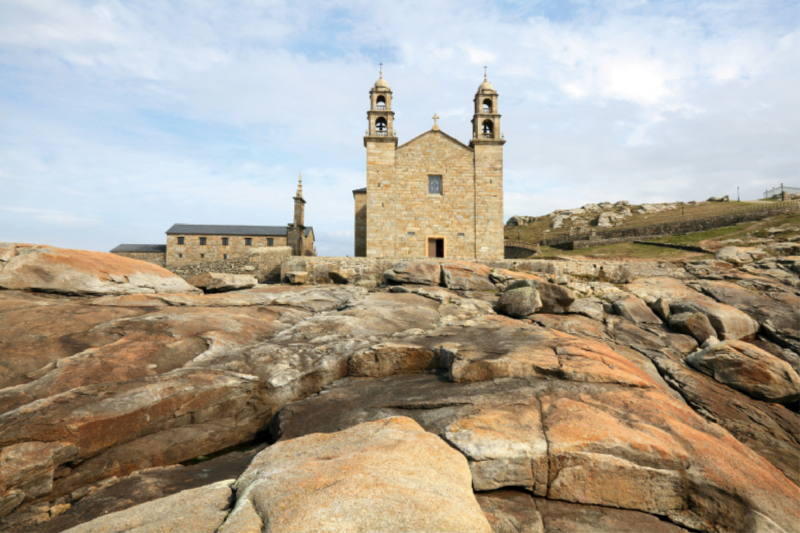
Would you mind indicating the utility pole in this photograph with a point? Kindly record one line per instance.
(738, 198)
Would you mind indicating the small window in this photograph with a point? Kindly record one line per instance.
(460, 234)
(224, 256)
(224, 241)
(180, 255)
(180, 240)
(411, 233)
(434, 185)
(202, 241)
(270, 241)
(435, 247)
(248, 241)
(202, 256)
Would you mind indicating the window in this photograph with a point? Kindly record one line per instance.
(460, 234)
(180, 240)
(202, 241)
(270, 241)
(381, 103)
(435, 185)
(180, 255)
(224, 256)
(411, 233)
(435, 247)
(380, 126)
(248, 241)
(487, 129)
(202, 256)
(487, 106)
(224, 241)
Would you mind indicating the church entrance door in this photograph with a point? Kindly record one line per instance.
(435, 247)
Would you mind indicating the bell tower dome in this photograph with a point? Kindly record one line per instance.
(486, 120)
(380, 115)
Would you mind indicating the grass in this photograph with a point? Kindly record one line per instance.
(536, 231)
(709, 239)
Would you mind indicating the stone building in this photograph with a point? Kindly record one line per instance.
(201, 243)
(432, 196)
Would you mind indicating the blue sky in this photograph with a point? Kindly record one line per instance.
(118, 119)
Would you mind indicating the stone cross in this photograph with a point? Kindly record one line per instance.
(435, 125)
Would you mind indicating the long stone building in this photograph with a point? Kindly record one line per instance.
(432, 196)
(202, 243)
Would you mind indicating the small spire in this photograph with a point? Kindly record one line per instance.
(435, 125)
(484, 73)
(300, 186)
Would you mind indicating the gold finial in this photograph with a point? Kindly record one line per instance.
(435, 125)
(300, 186)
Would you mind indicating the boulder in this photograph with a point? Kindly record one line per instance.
(415, 272)
(511, 511)
(390, 358)
(216, 282)
(503, 276)
(739, 256)
(297, 278)
(554, 298)
(635, 310)
(466, 276)
(718, 199)
(519, 302)
(82, 272)
(382, 476)
(340, 277)
(588, 307)
(200, 510)
(749, 369)
(695, 324)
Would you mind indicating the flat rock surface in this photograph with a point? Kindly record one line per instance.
(65, 271)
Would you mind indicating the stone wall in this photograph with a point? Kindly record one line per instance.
(368, 271)
(156, 258)
(401, 214)
(213, 251)
(665, 229)
(520, 250)
(360, 199)
(263, 263)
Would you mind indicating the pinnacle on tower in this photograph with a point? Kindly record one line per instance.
(299, 186)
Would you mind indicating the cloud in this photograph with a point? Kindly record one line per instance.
(131, 117)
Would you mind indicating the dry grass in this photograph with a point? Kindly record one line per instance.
(536, 231)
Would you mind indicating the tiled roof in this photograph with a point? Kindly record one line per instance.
(140, 248)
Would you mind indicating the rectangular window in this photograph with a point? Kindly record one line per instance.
(224, 241)
(224, 256)
(435, 185)
(180, 255)
(202, 256)
(270, 241)
(411, 233)
(202, 241)
(248, 241)
(460, 234)
(180, 240)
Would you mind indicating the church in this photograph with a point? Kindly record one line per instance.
(432, 196)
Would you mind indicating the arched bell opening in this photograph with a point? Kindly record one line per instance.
(381, 127)
(487, 106)
(380, 103)
(487, 129)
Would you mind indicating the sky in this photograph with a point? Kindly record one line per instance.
(119, 119)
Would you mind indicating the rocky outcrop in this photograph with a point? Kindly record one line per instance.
(751, 370)
(739, 256)
(416, 272)
(355, 480)
(200, 510)
(519, 302)
(465, 276)
(214, 282)
(79, 272)
(589, 405)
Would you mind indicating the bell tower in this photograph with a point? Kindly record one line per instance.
(487, 142)
(380, 115)
(486, 120)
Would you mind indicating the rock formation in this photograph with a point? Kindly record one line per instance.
(458, 397)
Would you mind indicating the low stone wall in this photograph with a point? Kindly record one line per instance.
(264, 265)
(520, 250)
(665, 229)
(368, 271)
(687, 247)
(157, 258)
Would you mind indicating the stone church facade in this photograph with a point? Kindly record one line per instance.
(432, 196)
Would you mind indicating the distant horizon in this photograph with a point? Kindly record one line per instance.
(120, 120)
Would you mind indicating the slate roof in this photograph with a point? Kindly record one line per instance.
(362, 189)
(205, 229)
(140, 248)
